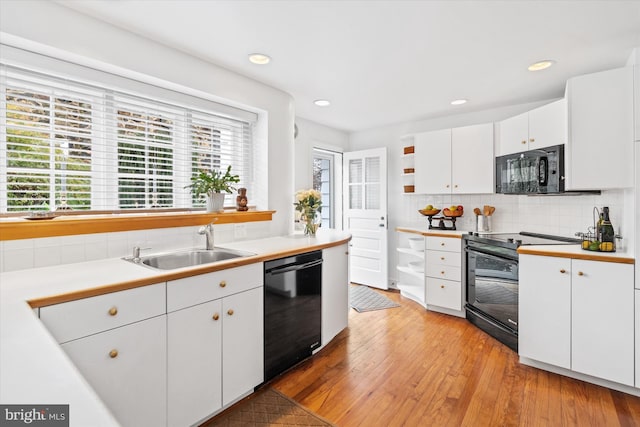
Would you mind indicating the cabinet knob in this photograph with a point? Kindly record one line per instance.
(113, 311)
(562, 270)
(442, 258)
(441, 286)
(216, 316)
(523, 142)
(113, 353)
(447, 185)
(455, 186)
(442, 244)
(532, 140)
(580, 273)
(442, 272)
(230, 312)
(223, 284)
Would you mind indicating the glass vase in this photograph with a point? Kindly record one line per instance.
(310, 223)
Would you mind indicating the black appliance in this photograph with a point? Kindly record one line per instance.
(292, 310)
(531, 172)
(491, 266)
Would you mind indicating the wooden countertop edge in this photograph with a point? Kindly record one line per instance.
(428, 233)
(21, 228)
(164, 277)
(585, 256)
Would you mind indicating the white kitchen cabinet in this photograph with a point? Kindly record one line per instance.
(335, 291)
(127, 367)
(472, 161)
(578, 315)
(194, 363)
(411, 278)
(79, 318)
(433, 162)
(602, 320)
(444, 274)
(544, 315)
(599, 152)
(242, 344)
(455, 161)
(215, 354)
(541, 127)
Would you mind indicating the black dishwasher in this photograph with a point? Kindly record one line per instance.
(292, 310)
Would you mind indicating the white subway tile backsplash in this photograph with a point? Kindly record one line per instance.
(46, 256)
(17, 259)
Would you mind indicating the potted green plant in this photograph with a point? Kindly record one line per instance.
(212, 184)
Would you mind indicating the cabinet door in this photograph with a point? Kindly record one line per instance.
(433, 162)
(548, 125)
(127, 367)
(444, 293)
(544, 309)
(599, 151)
(335, 291)
(513, 134)
(472, 160)
(194, 338)
(602, 320)
(242, 343)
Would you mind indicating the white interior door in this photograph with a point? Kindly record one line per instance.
(365, 215)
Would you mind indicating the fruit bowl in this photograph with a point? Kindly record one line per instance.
(429, 212)
(448, 212)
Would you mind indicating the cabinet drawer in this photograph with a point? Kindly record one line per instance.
(443, 272)
(452, 259)
(444, 244)
(444, 293)
(76, 319)
(194, 290)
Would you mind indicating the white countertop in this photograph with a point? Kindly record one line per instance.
(576, 252)
(434, 232)
(33, 367)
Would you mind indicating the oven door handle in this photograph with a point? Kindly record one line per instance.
(295, 267)
(490, 255)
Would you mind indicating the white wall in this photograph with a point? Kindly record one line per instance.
(559, 215)
(63, 32)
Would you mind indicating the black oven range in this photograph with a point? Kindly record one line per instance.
(491, 267)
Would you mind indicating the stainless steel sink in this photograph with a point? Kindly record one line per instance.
(188, 258)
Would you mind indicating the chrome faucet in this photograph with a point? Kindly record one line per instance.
(207, 230)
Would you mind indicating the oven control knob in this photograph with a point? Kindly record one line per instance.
(510, 240)
(518, 242)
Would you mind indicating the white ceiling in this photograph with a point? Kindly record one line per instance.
(384, 62)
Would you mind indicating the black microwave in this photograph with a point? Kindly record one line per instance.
(531, 172)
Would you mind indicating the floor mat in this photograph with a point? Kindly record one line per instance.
(362, 299)
(268, 408)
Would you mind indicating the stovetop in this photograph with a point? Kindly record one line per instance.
(514, 240)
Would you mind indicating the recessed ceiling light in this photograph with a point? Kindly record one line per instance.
(259, 58)
(322, 102)
(459, 102)
(541, 65)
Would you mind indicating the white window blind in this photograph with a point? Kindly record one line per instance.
(73, 145)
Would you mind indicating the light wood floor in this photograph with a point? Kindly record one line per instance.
(408, 367)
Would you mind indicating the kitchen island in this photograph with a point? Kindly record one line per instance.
(33, 366)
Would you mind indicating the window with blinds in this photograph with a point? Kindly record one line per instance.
(73, 145)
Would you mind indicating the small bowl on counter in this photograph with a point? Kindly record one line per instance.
(416, 243)
(430, 212)
(417, 266)
(450, 213)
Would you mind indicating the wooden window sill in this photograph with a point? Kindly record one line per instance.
(20, 228)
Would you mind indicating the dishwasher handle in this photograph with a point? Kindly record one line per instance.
(294, 267)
